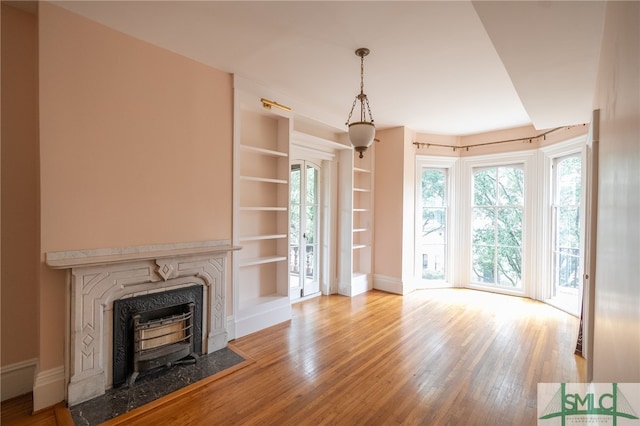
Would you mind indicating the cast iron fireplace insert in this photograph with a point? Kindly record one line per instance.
(155, 330)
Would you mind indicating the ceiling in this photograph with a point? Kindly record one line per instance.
(450, 68)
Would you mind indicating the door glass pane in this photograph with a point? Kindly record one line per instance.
(294, 238)
(294, 184)
(312, 185)
(294, 226)
(304, 223)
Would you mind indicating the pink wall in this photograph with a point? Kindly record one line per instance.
(136, 147)
(388, 203)
(20, 197)
(495, 136)
(616, 338)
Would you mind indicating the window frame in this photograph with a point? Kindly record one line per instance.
(450, 166)
(527, 160)
(496, 207)
(548, 155)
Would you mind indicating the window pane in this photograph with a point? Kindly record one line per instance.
(510, 186)
(484, 187)
(568, 268)
(433, 188)
(569, 181)
(433, 266)
(432, 229)
(568, 227)
(509, 266)
(483, 267)
(433, 225)
(496, 226)
(510, 226)
(567, 238)
(483, 225)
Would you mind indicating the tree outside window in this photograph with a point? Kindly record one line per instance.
(566, 218)
(433, 237)
(498, 201)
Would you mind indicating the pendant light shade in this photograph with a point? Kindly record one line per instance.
(361, 133)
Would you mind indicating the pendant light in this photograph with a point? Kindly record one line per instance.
(361, 133)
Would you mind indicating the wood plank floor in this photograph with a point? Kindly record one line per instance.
(434, 357)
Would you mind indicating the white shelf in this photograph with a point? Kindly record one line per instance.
(261, 204)
(360, 230)
(359, 170)
(360, 210)
(264, 151)
(361, 190)
(262, 237)
(263, 209)
(359, 246)
(262, 179)
(260, 260)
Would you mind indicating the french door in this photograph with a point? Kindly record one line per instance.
(304, 229)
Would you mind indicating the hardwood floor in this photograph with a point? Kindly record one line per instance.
(434, 357)
(18, 412)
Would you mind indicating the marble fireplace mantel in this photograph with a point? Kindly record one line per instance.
(99, 276)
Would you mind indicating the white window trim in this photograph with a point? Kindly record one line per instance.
(450, 164)
(547, 155)
(529, 226)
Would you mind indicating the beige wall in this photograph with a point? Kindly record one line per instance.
(617, 305)
(20, 197)
(136, 147)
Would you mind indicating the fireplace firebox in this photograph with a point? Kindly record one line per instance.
(155, 330)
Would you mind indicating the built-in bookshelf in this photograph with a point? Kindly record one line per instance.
(362, 226)
(261, 207)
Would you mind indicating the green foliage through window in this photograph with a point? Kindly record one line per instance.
(433, 239)
(498, 206)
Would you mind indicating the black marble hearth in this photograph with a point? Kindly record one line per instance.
(151, 386)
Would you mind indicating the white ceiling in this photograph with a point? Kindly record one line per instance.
(451, 68)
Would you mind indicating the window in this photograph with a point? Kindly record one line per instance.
(432, 236)
(496, 223)
(567, 239)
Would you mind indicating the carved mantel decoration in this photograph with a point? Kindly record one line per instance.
(98, 277)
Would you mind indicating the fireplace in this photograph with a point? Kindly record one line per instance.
(100, 279)
(154, 330)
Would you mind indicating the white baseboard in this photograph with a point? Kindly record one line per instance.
(17, 379)
(49, 388)
(390, 284)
